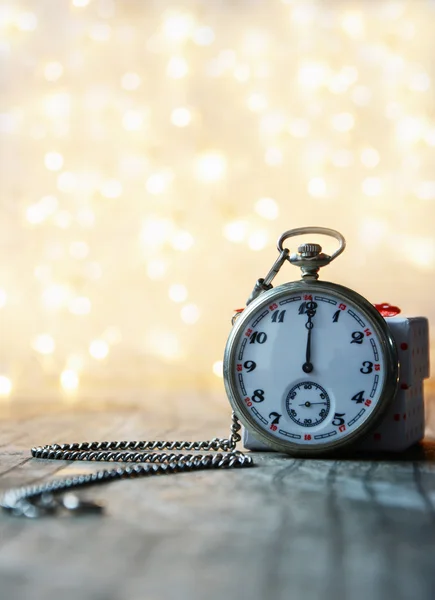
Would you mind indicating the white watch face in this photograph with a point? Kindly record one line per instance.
(309, 368)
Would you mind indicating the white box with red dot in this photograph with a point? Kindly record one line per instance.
(403, 425)
(411, 335)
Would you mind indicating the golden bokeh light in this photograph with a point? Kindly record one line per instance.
(80, 305)
(190, 313)
(99, 349)
(317, 187)
(235, 231)
(177, 67)
(44, 344)
(181, 116)
(267, 208)
(153, 153)
(178, 26)
(53, 161)
(131, 81)
(257, 240)
(5, 386)
(26, 21)
(218, 368)
(55, 296)
(210, 167)
(178, 292)
(370, 157)
(69, 380)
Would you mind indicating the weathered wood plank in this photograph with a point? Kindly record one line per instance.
(289, 528)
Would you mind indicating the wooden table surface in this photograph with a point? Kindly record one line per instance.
(287, 529)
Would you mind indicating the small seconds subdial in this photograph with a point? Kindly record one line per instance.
(307, 404)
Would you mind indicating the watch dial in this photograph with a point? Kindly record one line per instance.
(309, 368)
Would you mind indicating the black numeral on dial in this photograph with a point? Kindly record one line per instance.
(278, 316)
(368, 367)
(258, 396)
(249, 365)
(258, 336)
(308, 306)
(358, 398)
(357, 337)
(338, 419)
(276, 417)
(336, 316)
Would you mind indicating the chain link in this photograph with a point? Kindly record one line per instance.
(46, 499)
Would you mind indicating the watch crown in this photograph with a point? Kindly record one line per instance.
(309, 250)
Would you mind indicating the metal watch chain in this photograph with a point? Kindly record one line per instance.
(46, 499)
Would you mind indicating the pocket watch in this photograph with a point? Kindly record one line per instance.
(310, 366)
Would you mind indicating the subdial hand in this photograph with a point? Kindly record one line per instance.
(307, 367)
(308, 404)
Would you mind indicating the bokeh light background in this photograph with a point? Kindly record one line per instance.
(153, 152)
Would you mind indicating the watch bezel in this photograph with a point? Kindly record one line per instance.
(386, 341)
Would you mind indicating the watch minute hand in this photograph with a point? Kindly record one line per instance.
(307, 367)
(308, 351)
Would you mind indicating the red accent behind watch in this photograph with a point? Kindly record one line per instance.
(387, 310)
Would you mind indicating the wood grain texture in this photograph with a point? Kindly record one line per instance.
(357, 528)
